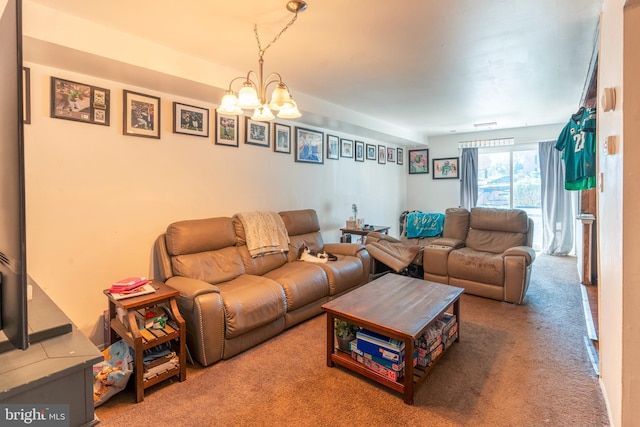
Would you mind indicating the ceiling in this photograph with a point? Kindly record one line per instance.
(430, 66)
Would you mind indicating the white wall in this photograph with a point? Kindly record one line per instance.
(425, 193)
(96, 199)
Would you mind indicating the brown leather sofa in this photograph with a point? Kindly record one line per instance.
(486, 251)
(231, 301)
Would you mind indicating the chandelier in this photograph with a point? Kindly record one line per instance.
(253, 92)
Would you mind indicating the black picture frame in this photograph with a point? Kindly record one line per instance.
(281, 138)
(382, 154)
(79, 102)
(418, 161)
(257, 133)
(190, 120)
(346, 148)
(309, 146)
(141, 115)
(446, 168)
(227, 130)
(333, 147)
(399, 156)
(359, 151)
(371, 152)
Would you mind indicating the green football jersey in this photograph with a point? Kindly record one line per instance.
(578, 143)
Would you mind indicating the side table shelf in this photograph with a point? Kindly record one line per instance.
(141, 340)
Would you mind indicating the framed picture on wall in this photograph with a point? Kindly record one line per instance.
(333, 144)
(359, 155)
(281, 138)
(371, 152)
(309, 146)
(382, 154)
(257, 133)
(419, 161)
(190, 120)
(446, 168)
(141, 115)
(399, 156)
(346, 148)
(227, 130)
(79, 102)
(391, 154)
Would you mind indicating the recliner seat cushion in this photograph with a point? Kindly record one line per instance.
(482, 267)
(250, 302)
(302, 283)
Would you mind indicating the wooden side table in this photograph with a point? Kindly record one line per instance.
(141, 340)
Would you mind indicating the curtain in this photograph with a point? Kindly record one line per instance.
(558, 217)
(469, 178)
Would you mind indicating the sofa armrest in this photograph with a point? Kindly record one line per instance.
(448, 242)
(350, 249)
(190, 289)
(528, 253)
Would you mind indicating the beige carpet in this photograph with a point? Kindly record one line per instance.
(514, 366)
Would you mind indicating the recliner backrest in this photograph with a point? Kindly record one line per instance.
(303, 228)
(496, 230)
(204, 249)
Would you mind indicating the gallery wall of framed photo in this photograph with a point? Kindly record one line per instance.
(142, 116)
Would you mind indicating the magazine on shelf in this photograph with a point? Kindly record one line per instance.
(136, 292)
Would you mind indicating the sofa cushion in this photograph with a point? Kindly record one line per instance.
(263, 264)
(456, 223)
(476, 266)
(200, 235)
(211, 266)
(303, 283)
(508, 220)
(250, 302)
(312, 240)
(344, 273)
(300, 221)
(494, 241)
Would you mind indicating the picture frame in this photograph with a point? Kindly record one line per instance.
(371, 152)
(399, 156)
(190, 120)
(26, 95)
(141, 115)
(227, 130)
(382, 154)
(346, 148)
(446, 168)
(359, 151)
(257, 133)
(78, 102)
(309, 146)
(281, 138)
(418, 161)
(391, 155)
(333, 147)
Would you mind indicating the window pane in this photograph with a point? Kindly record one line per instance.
(494, 180)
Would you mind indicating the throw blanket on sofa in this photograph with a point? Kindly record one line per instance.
(265, 233)
(421, 224)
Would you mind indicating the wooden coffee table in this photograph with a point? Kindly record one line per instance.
(396, 306)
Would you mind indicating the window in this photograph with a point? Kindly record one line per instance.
(510, 178)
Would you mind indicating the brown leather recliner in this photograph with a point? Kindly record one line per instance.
(490, 255)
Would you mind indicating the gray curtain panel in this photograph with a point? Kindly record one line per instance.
(469, 178)
(558, 207)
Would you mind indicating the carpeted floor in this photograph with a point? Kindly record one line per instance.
(515, 365)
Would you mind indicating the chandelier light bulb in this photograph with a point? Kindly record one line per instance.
(248, 97)
(228, 104)
(280, 98)
(262, 114)
(291, 112)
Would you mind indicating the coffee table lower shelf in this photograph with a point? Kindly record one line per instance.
(343, 359)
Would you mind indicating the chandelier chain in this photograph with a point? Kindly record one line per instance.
(261, 51)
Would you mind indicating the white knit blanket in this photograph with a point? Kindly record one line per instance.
(265, 232)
